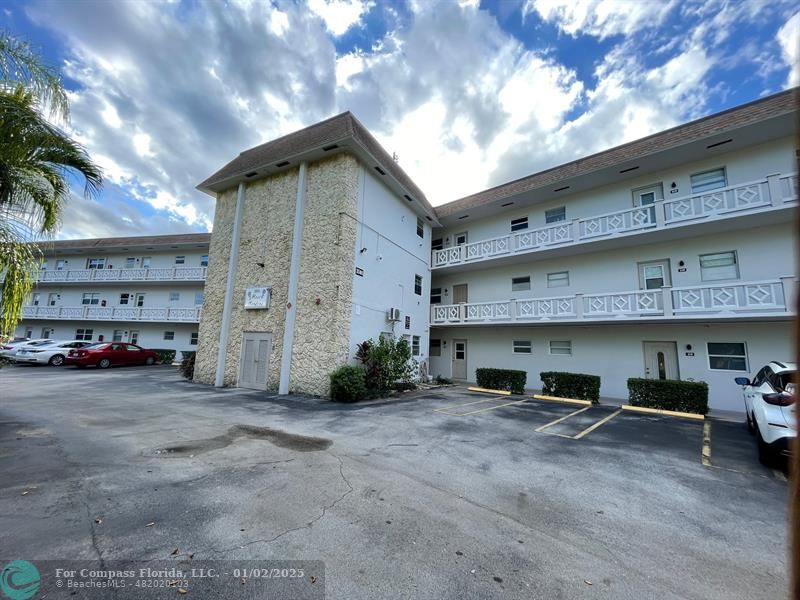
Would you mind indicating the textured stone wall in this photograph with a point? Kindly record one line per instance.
(327, 261)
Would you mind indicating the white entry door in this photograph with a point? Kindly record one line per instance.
(661, 360)
(459, 359)
(460, 294)
(254, 367)
(648, 195)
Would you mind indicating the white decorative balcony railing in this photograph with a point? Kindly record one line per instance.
(113, 313)
(724, 300)
(155, 274)
(774, 191)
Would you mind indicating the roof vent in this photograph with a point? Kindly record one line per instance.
(283, 163)
(561, 189)
(507, 204)
(728, 141)
(329, 148)
(629, 169)
(407, 197)
(381, 171)
(251, 174)
(463, 217)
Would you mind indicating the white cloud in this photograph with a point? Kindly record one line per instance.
(789, 40)
(339, 15)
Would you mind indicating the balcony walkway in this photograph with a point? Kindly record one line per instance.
(113, 313)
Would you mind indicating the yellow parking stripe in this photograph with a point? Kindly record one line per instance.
(705, 457)
(481, 401)
(572, 414)
(474, 412)
(591, 428)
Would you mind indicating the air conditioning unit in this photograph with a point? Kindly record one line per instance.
(393, 314)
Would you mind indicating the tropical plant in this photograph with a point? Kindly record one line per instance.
(37, 159)
(386, 363)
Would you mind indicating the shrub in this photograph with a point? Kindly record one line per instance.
(442, 380)
(669, 394)
(347, 384)
(165, 357)
(187, 364)
(579, 386)
(386, 363)
(502, 379)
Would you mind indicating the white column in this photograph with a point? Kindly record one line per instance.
(789, 290)
(579, 306)
(774, 185)
(294, 274)
(666, 300)
(227, 306)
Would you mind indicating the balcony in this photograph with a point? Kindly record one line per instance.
(724, 300)
(773, 192)
(113, 313)
(112, 275)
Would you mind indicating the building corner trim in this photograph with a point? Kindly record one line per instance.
(227, 306)
(294, 275)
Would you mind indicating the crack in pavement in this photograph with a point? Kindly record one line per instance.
(93, 534)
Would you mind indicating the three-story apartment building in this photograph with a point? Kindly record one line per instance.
(669, 257)
(144, 290)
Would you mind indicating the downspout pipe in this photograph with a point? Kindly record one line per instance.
(227, 306)
(294, 274)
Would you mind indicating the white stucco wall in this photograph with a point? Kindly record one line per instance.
(615, 352)
(392, 254)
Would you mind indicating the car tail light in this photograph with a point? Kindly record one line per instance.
(778, 398)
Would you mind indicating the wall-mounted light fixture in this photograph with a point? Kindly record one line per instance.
(681, 263)
(688, 346)
(363, 250)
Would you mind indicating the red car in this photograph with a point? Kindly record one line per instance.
(105, 354)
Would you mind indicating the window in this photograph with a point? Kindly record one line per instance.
(420, 228)
(435, 348)
(174, 296)
(29, 332)
(179, 260)
(727, 356)
(60, 265)
(53, 299)
(169, 335)
(95, 263)
(139, 300)
(554, 215)
(719, 266)
(35, 299)
(204, 260)
(461, 238)
(124, 299)
(708, 180)
(90, 298)
(130, 262)
(44, 265)
(780, 381)
(84, 334)
(199, 297)
(47, 332)
(559, 279)
(520, 284)
(561, 347)
(132, 348)
(193, 339)
(408, 322)
(117, 336)
(418, 285)
(437, 244)
(522, 347)
(519, 224)
(436, 295)
(146, 260)
(415, 345)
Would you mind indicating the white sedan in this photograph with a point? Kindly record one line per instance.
(9, 349)
(52, 353)
(769, 403)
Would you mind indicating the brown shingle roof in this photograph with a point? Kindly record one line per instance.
(341, 129)
(746, 114)
(125, 242)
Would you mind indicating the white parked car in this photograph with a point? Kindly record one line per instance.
(769, 402)
(9, 349)
(52, 354)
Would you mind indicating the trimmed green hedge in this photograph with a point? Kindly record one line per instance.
(669, 394)
(187, 364)
(502, 379)
(579, 386)
(165, 357)
(348, 384)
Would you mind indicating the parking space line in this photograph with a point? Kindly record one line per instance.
(572, 414)
(705, 456)
(481, 401)
(602, 421)
(492, 408)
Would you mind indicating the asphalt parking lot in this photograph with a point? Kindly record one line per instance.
(438, 494)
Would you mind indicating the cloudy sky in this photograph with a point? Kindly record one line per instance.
(468, 94)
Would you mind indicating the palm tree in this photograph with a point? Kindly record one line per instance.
(37, 159)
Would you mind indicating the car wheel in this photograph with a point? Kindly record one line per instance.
(765, 456)
(149, 360)
(56, 360)
(104, 363)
